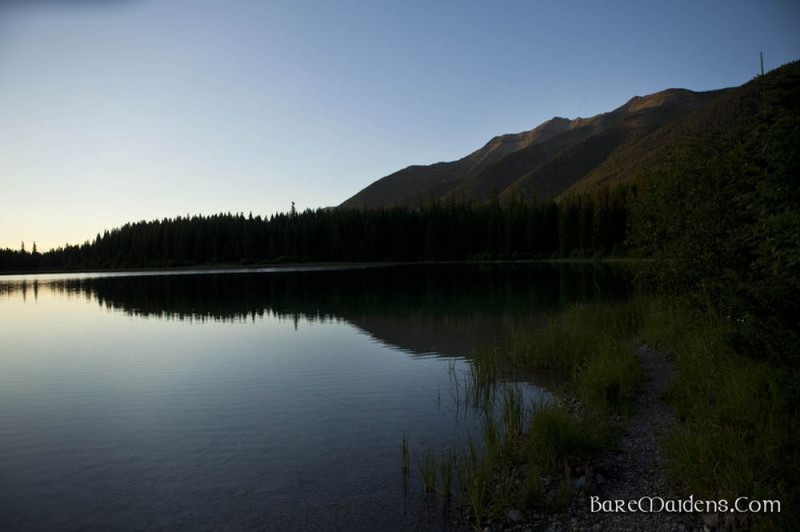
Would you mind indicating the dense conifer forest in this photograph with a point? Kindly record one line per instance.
(585, 225)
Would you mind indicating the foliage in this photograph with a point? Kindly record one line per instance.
(435, 232)
(740, 435)
(720, 216)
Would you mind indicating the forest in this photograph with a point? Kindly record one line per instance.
(585, 225)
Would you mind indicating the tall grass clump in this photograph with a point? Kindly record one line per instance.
(611, 378)
(590, 344)
(505, 468)
(447, 465)
(474, 474)
(427, 472)
(404, 457)
(512, 412)
(556, 437)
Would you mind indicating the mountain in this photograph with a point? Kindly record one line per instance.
(543, 162)
(416, 184)
(722, 115)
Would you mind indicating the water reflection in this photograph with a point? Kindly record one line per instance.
(424, 309)
(247, 400)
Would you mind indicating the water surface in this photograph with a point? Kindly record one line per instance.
(248, 399)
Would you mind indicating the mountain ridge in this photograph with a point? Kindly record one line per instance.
(542, 163)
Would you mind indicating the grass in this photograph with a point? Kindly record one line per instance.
(519, 444)
(506, 468)
(405, 460)
(427, 472)
(738, 432)
(555, 436)
(474, 478)
(741, 418)
(447, 465)
(513, 412)
(610, 380)
(590, 345)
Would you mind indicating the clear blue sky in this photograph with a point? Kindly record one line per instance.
(121, 110)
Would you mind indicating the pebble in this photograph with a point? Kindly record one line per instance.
(514, 515)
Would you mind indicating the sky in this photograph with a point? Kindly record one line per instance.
(114, 111)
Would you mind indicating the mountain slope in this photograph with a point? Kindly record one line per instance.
(635, 120)
(625, 164)
(416, 184)
(542, 162)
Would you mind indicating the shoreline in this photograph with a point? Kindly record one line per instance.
(311, 266)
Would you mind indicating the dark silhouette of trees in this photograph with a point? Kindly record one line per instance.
(720, 213)
(584, 225)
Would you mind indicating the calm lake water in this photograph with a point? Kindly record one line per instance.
(259, 399)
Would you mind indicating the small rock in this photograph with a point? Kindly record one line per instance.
(514, 515)
(580, 483)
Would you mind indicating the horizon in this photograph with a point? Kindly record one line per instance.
(118, 111)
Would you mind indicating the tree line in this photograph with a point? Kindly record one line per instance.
(585, 225)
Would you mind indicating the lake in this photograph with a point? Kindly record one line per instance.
(267, 399)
